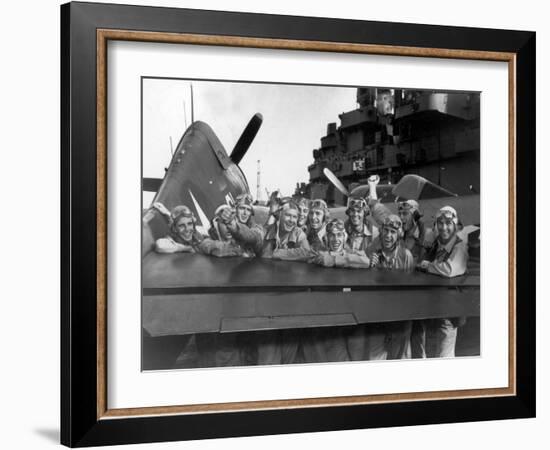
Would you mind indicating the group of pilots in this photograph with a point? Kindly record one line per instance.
(301, 230)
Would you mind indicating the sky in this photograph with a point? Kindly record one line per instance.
(295, 119)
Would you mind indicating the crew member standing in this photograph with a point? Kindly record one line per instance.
(286, 241)
(417, 239)
(448, 257)
(387, 252)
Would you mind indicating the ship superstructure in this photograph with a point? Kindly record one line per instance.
(394, 132)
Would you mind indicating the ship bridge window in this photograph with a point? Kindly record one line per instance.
(380, 154)
(368, 137)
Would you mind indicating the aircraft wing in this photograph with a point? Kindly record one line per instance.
(192, 293)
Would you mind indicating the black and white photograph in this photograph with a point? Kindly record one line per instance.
(301, 224)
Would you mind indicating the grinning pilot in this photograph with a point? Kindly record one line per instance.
(357, 226)
(316, 222)
(387, 252)
(184, 237)
(338, 254)
(330, 344)
(448, 258)
(284, 239)
(241, 226)
(213, 350)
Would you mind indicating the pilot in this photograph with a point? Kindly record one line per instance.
(303, 205)
(183, 236)
(448, 257)
(387, 252)
(416, 237)
(358, 228)
(284, 239)
(330, 344)
(316, 221)
(241, 226)
(213, 349)
(338, 253)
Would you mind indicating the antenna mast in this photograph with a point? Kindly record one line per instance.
(185, 114)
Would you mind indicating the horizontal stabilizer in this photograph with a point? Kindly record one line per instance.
(151, 184)
(415, 187)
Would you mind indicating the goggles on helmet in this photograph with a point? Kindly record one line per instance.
(318, 204)
(244, 200)
(359, 203)
(335, 225)
(393, 222)
(407, 205)
(447, 212)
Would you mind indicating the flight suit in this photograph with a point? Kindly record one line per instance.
(358, 240)
(418, 240)
(249, 236)
(331, 343)
(390, 340)
(294, 246)
(281, 346)
(449, 260)
(317, 239)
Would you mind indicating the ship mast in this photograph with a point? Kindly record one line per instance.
(258, 186)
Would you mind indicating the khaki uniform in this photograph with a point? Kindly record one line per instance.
(292, 247)
(331, 344)
(436, 338)
(347, 258)
(358, 240)
(401, 258)
(281, 346)
(388, 340)
(250, 237)
(317, 239)
(418, 242)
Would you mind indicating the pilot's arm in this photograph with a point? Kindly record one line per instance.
(248, 236)
(302, 251)
(378, 212)
(168, 245)
(353, 259)
(221, 249)
(454, 266)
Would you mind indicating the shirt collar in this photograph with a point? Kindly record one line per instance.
(364, 232)
(415, 232)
